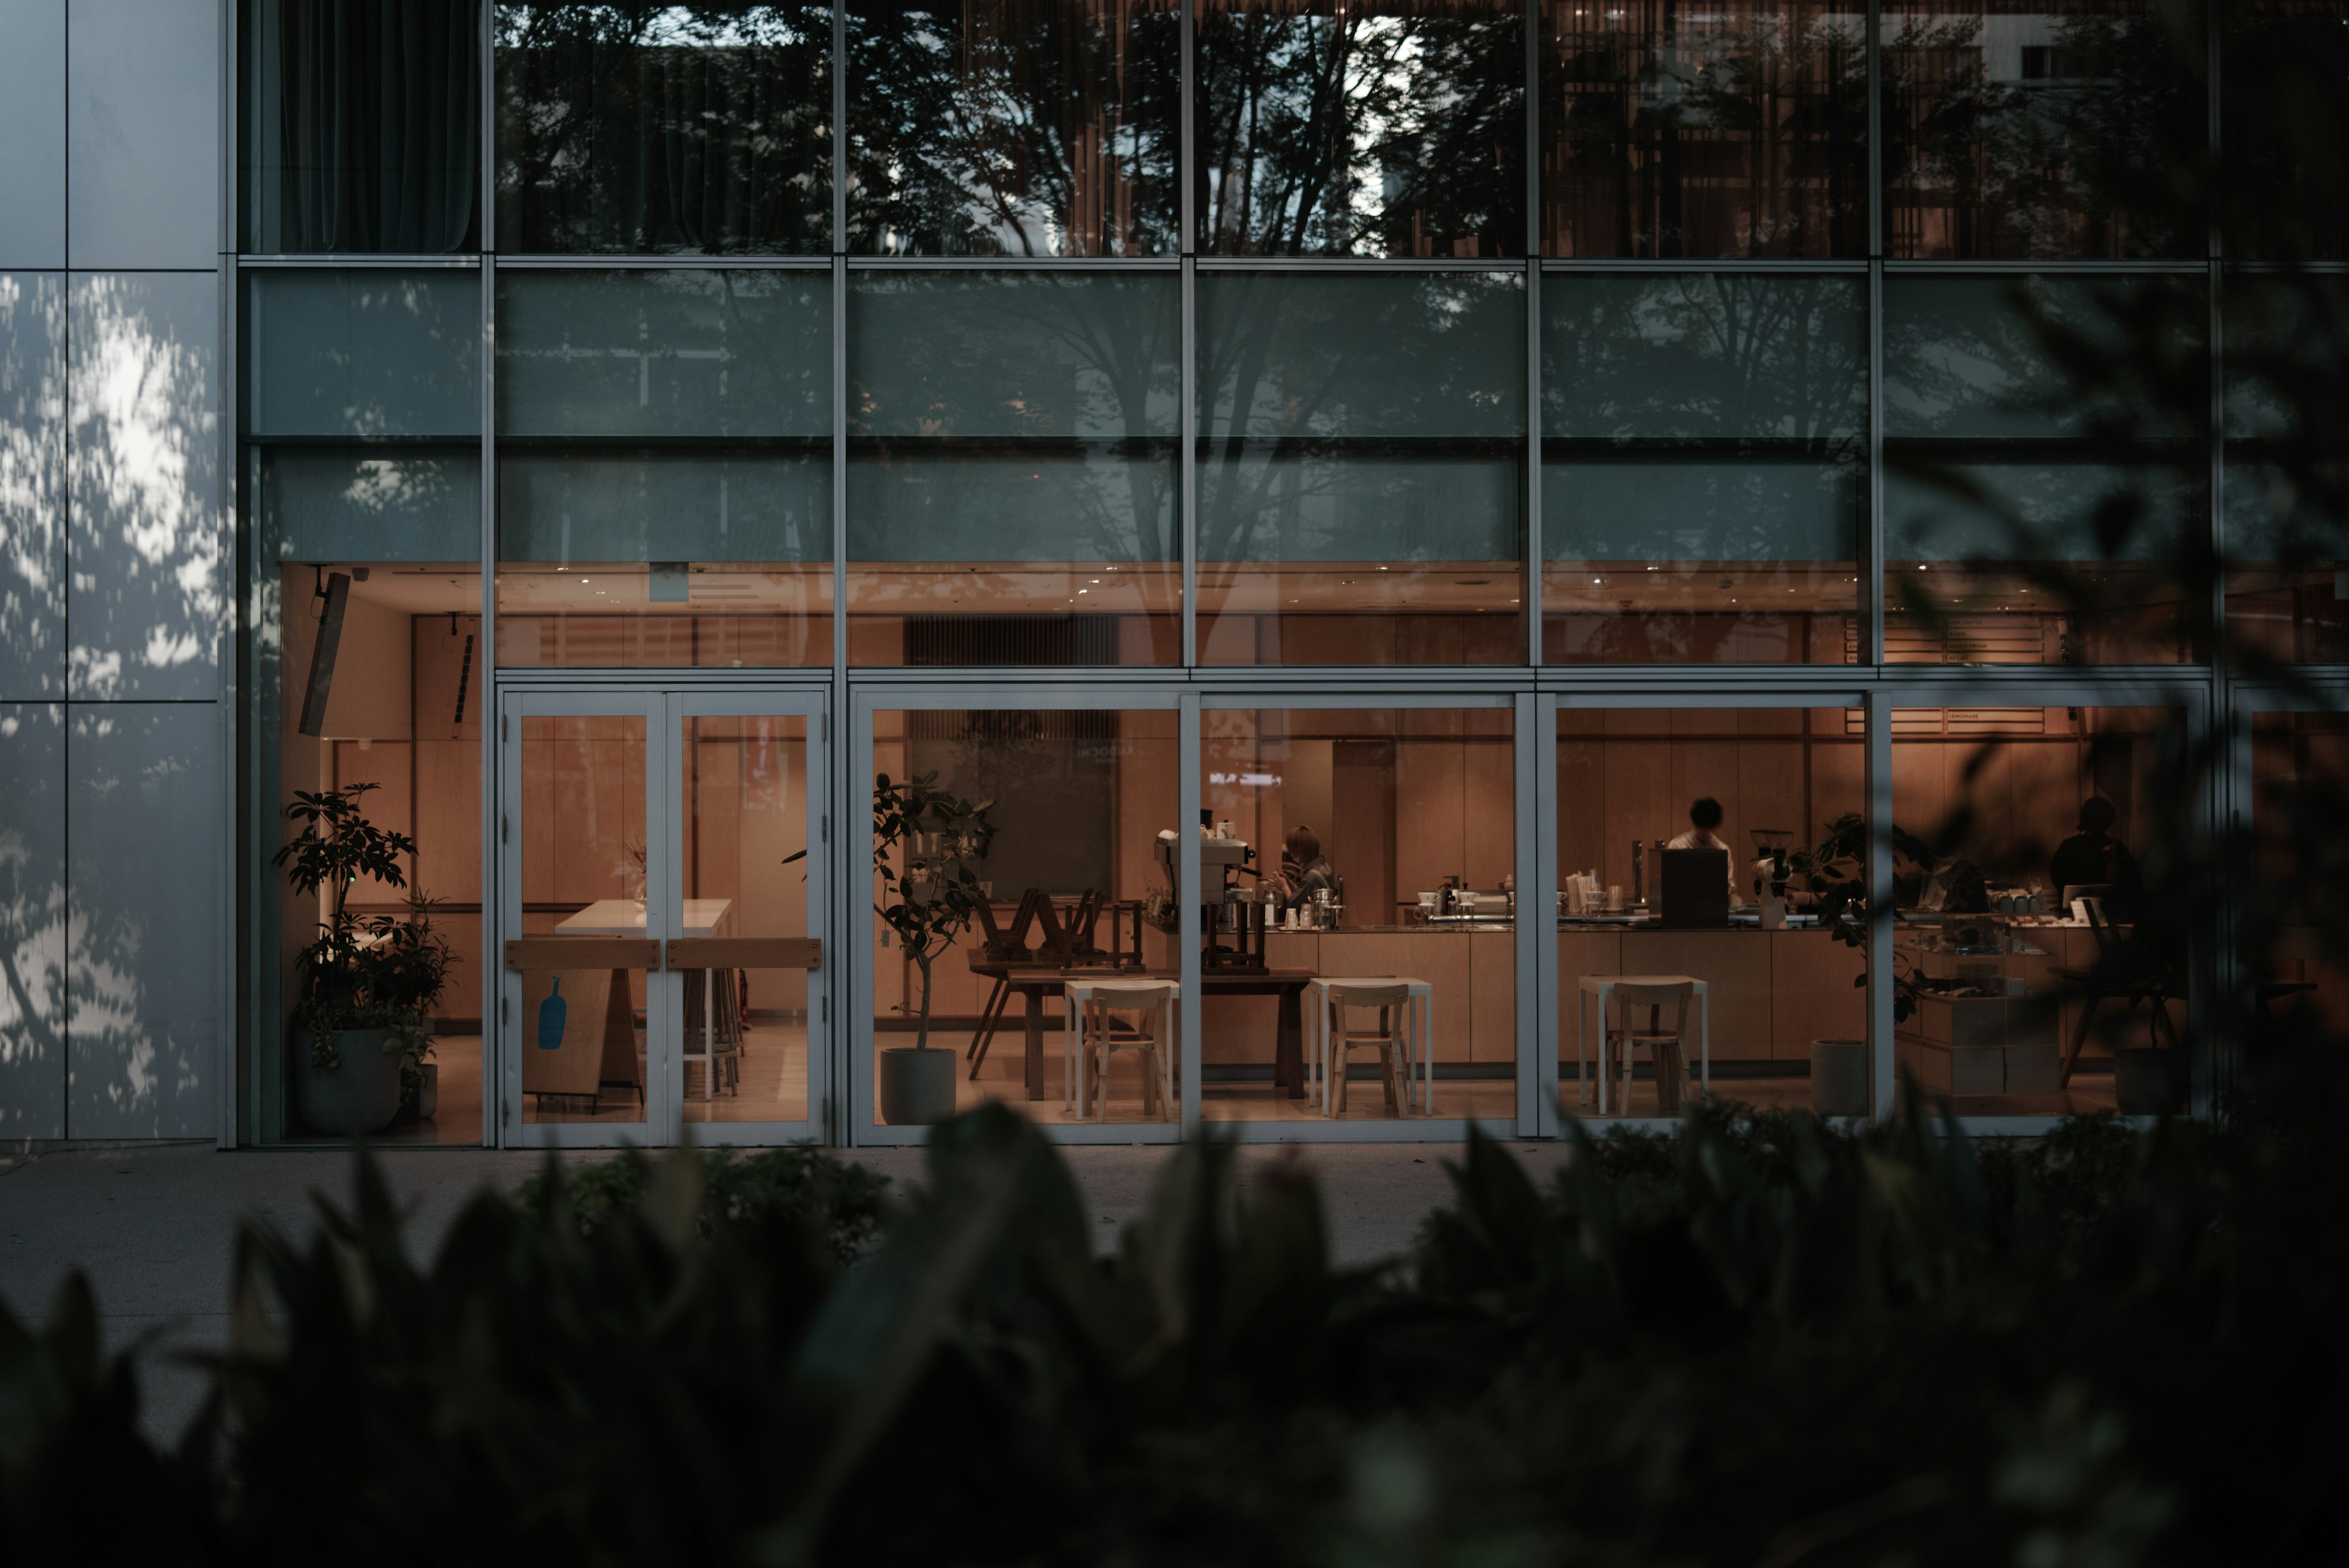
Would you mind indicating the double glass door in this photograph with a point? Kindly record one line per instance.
(662, 917)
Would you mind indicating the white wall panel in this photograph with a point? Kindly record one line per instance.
(33, 133)
(145, 599)
(32, 920)
(145, 960)
(32, 484)
(142, 133)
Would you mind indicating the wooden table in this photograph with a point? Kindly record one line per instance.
(625, 917)
(1033, 983)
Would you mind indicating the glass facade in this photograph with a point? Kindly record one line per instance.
(1089, 396)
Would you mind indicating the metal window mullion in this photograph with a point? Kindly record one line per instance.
(843, 757)
(1872, 47)
(1879, 776)
(1186, 164)
(1538, 980)
(1187, 463)
(1191, 750)
(839, 127)
(1872, 549)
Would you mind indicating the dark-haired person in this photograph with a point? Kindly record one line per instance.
(1304, 869)
(1704, 832)
(2093, 857)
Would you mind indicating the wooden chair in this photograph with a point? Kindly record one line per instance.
(1667, 1046)
(1391, 1038)
(1151, 1004)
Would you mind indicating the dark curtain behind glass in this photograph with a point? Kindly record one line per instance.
(1014, 127)
(673, 129)
(362, 130)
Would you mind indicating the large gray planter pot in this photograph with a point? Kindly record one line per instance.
(917, 1088)
(359, 1096)
(2149, 1083)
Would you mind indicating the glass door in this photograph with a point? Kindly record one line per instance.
(586, 1010)
(662, 918)
(750, 831)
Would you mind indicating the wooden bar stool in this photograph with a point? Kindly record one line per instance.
(1151, 1006)
(1665, 1045)
(1393, 1040)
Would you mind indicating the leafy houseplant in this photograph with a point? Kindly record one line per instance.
(367, 981)
(925, 839)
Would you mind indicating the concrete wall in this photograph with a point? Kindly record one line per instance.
(114, 929)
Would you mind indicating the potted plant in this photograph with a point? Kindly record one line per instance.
(360, 1025)
(1835, 871)
(924, 842)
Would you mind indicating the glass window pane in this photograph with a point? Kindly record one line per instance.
(2287, 466)
(1703, 452)
(1384, 129)
(1778, 796)
(1011, 468)
(2284, 159)
(2050, 130)
(700, 129)
(1361, 462)
(1736, 129)
(366, 681)
(363, 353)
(361, 127)
(1075, 801)
(1375, 807)
(665, 354)
(2001, 817)
(2033, 516)
(743, 1033)
(1014, 128)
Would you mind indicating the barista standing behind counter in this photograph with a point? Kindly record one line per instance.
(2093, 858)
(1704, 832)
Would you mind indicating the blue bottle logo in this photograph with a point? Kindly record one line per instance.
(551, 1015)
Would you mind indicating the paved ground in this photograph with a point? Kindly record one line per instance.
(152, 1226)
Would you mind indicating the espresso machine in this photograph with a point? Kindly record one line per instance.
(1233, 918)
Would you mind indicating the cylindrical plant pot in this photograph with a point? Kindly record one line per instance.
(1840, 1078)
(2149, 1083)
(360, 1095)
(917, 1087)
(428, 1093)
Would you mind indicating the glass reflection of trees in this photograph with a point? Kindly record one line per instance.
(1389, 129)
(1014, 417)
(1738, 128)
(2284, 189)
(1360, 416)
(1014, 127)
(1696, 425)
(2047, 129)
(673, 129)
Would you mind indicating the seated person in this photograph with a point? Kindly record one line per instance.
(1304, 870)
(2093, 857)
(1704, 832)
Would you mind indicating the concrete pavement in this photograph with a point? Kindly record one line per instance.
(151, 1225)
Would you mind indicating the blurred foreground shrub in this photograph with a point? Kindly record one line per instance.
(1763, 1341)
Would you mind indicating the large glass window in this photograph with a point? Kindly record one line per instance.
(1014, 127)
(2283, 190)
(1703, 467)
(2294, 915)
(1358, 914)
(700, 129)
(1702, 855)
(1393, 128)
(2038, 948)
(1361, 462)
(2287, 466)
(361, 127)
(1065, 857)
(361, 412)
(1011, 468)
(2046, 473)
(1734, 129)
(2041, 130)
(664, 490)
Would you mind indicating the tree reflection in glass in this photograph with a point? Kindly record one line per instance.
(1703, 438)
(670, 129)
(1389, 128)
(1014, 128)
(2048, 131)
(1737, 128)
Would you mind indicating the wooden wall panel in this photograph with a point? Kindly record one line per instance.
(1811, 992)
(1490, 828)
(1431, 819)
